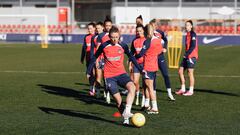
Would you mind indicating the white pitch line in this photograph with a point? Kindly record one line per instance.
(40, 72)
(173, 75)
(210, 76)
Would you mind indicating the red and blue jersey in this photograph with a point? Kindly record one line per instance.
(86, 47)
(113, 58)
(136, 47)
(103, 37)
(94, 45)
(161, 35)
(191, 45)
(151, 49)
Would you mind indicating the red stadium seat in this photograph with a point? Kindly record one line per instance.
(29, 26)
(59, 26)
(212, 29)
(231, 30)
(206, 30)
(14, 26)
(238, 29)
(31, 31)
(51, 31)
(201, 29)
(218, 29)
(16, 30)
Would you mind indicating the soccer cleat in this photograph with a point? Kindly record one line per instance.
(145, 108)
(108, 99)
(188, 93)
(126, 121)
(98, 94)
(137, 101)
(170, 96)
(104, 94)
(152, 112)
(180, 92)
(127, 115)
(91, 93)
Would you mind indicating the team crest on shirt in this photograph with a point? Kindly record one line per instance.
(144, 47)
(119, 51)
(193, 38)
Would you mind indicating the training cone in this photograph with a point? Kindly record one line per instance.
(117, 114)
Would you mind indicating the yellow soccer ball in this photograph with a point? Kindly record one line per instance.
(138, 119)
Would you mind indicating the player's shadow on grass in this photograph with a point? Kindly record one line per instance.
(82, 84)
(85, 84)
(161, 91)
(78, 95)
(207, 91)
(78, 114)
(217, 92)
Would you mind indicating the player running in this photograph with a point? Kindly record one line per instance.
(189, 60)
(114, 71)
(136, 47)
(161, 59)
(86, 53)
(151, 49)
(102, 38)
(107, 24)
(95, 43)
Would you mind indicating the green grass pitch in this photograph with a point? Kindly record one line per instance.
(44, 92)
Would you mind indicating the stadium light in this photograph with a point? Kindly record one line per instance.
(20, 3)
(235, 20)
(58, 3)
(73, 12)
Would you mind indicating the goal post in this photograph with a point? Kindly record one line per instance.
(17, 24)
(174, 48)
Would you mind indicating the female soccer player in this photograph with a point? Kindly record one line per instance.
(107, 24)
(189, 60)
(151, 49)
(102, 38)
(86, 53)
(139, 20)
(114, 71)
(161, 60)
(95, 43)
(136, 47)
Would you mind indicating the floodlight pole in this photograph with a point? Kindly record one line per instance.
(20, 5)
(210, 4)
(126, 6)
(126, 3)
(58, 3)
(73, 12)
(180, 11)
(235, 17)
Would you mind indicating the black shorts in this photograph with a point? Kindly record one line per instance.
(135, 69)
(189, 63)
(113, 82)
